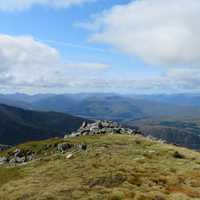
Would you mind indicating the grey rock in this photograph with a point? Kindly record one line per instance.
(29, 158)
(17, 152)
(82, 147)
(102, 127)
(3, 160)
(20, 159)
(12, 161)
(63, 147)
(99, 125)
(84, 125)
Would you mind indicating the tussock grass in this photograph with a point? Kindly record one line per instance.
(114, 167)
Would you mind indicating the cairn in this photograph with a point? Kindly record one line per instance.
(102, 128)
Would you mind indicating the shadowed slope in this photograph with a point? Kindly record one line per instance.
(19, 125)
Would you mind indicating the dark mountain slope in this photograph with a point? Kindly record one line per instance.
(18, 125)
(181, 132)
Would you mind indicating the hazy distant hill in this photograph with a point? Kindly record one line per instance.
(111, 106)
(19, 125)
(96, 107)
(184, 132)
(108, 105)
(9, 100)
(175, 99)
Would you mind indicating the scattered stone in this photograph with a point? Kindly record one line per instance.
(150, 137)
(17, 152)
(18, 156)
(63, 147)
(101, 128)
(20, 159)
(82, 147)
(29, 158)
(3, 160)
(178, 155)
(69, 156)
(12, 161)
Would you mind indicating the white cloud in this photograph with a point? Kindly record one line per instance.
(26, 62)
(88, 66)
(11, 5)
(158, 31)
(29, 65)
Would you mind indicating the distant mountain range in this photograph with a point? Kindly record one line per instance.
(109, 106)
(18, 125)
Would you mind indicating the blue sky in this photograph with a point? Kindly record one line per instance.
(99, 46)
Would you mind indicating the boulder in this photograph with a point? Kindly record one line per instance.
(20, 159)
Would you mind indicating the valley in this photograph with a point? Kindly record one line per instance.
(174, 118)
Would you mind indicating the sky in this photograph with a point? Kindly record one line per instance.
(122, 46)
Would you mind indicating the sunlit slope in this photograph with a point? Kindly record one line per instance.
(113, 167)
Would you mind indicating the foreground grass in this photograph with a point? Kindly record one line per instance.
(114, 167)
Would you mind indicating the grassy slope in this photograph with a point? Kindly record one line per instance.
(114, 168)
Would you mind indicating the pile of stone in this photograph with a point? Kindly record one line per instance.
(64, 147)
(18, 156)
(101, 128)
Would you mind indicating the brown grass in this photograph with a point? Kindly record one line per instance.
(114, 167)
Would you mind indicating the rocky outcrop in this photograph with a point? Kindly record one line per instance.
(22, 156)
(17, 156)
(102, 127)
(64, 147)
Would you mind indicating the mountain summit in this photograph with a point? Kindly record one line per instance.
(109, 166)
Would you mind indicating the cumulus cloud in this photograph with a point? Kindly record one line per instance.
(31, 65)
(24, 59)
(11, 5)
(26, 62)
(159, 32)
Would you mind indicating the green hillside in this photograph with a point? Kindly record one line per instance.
(113, 167)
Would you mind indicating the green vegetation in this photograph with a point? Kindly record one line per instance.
(115, 167)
